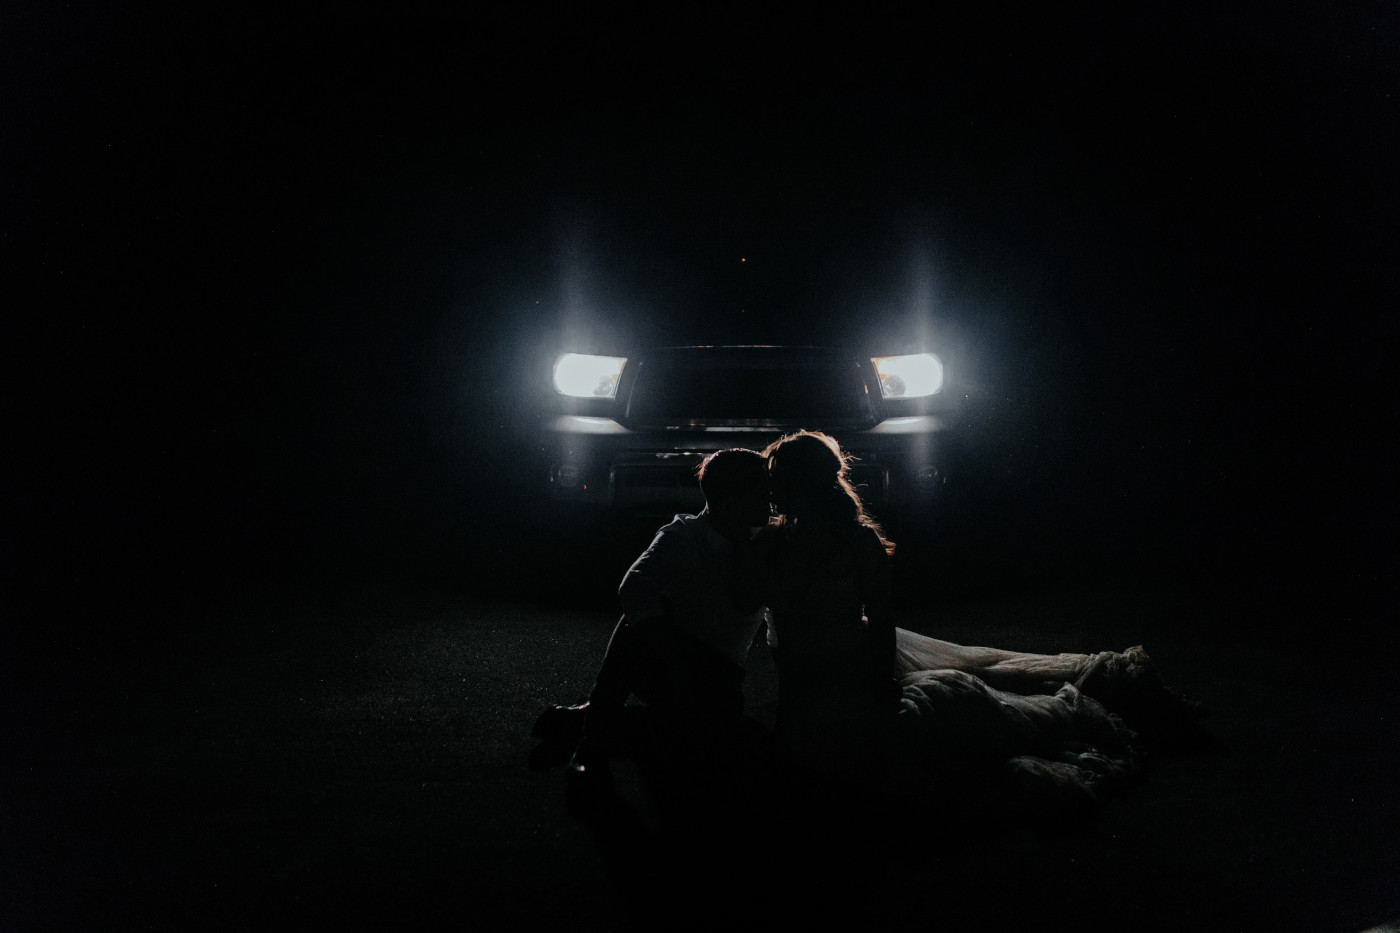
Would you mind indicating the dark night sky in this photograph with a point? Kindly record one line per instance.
(281, 282)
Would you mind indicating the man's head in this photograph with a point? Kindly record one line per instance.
(736, 487)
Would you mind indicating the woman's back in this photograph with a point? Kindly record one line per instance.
(829, 593)
(820, 579)
(833, 684)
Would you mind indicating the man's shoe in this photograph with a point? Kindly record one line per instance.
(562, 722)
(561, 728)
(588, 787)
(549, 754)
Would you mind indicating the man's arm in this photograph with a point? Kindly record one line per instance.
(877, 593)
(646, 588)
(647, 609)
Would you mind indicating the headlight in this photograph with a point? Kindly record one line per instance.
(913, 376)
(584, 376)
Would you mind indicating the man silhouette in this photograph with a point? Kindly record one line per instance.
(688, 618)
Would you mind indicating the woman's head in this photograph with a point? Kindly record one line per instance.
(811, 473)
(806, 464)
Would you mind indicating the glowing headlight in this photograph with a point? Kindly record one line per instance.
(912, 376)
(584, 376)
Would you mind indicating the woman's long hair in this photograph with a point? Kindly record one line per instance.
(813, 463)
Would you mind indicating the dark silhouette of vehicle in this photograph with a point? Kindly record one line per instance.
(627, 432)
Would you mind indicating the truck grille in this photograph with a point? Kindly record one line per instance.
(749, 390)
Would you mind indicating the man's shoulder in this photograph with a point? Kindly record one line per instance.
(678, 532)
(685, 524)
(691, 535)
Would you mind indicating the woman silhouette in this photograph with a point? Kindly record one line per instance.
(859, 697)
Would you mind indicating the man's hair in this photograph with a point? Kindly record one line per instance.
(725, 474)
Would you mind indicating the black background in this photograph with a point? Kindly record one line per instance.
(277, 300)
(280, 284)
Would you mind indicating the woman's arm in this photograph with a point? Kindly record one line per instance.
(752, 564)
(877, 594)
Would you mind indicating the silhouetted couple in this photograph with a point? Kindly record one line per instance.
(681, 644)
(861, 703)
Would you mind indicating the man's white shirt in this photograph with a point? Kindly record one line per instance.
(685, 574)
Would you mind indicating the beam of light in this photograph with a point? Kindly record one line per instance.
(585, 376)
(913, 376)
(913, 424)
(582, 424)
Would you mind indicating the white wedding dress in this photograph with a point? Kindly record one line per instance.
(1024, 713)
(1024, 720)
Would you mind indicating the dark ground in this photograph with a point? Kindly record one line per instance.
(352, 755)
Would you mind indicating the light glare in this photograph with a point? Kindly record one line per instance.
(584, 376)
(912, 376)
